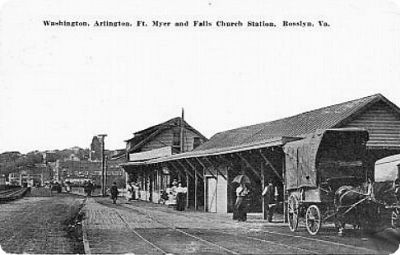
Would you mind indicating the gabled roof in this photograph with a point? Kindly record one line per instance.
(333, 116)
(279, 132)
(141, 137)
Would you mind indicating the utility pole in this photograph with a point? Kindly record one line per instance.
(103, 166)
(182, 148)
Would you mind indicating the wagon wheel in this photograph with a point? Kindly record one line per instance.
(293, 212)
(395, 218)
(313, 219)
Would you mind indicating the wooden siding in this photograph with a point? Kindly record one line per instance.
(189, 139)
(382, 123)
(161, 140)
(166, 137)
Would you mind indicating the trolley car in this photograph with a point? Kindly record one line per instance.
(326, 180)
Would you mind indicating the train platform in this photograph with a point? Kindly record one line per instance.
(71, 224)
(140, 227)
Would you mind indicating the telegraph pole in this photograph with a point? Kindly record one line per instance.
(182, 150)
(103, 166)
(182, 138)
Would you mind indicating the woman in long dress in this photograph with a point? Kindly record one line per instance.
(180, 197)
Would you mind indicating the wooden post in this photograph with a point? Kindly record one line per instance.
(145, 185)
(264, 211)
(195, 190)
(195, 182)
(205, 190)
(187, 181)
(284, 189)
(158, 183)
(182, 138)
(187, 189)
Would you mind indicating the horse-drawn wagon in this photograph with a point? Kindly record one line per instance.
(326, 180)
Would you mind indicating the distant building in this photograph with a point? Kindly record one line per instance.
(73, 157)
(85, 169)
(34, 175)
(95, 149)
(49, 156)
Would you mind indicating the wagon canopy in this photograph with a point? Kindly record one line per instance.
(325, 153)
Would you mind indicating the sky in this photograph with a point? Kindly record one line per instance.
(61, 86)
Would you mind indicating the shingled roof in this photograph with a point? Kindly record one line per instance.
(333, 116)
(279, 132)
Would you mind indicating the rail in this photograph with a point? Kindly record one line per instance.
(13, 194)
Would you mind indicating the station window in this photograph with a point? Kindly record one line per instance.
(196, 142)
(176, 139)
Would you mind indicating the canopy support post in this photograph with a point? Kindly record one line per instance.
(264, 211)
(187, 182)
(285, 219)
(195, 183)
(204, 184)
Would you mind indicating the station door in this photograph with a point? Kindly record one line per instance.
(211, 194)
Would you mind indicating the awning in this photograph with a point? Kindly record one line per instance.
(278, 141)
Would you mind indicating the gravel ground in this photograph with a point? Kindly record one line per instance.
(51, 225)
(41, 225)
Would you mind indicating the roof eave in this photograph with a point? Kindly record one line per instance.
(273, 142)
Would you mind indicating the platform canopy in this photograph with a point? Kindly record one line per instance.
(278, 141)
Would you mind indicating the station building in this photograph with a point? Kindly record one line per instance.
(256, 151)
(162, 140)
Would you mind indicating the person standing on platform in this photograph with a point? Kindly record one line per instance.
(85, 188)
(132, 190)
(180, 197)
(89, 188)
(68, 186)
(114, 192)
(240, 207)
(269, 195)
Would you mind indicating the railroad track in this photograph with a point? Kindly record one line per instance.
(13, 194)
(286, 236)
(157, 247)
(220, 233)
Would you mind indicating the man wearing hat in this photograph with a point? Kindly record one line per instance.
(269, 194)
